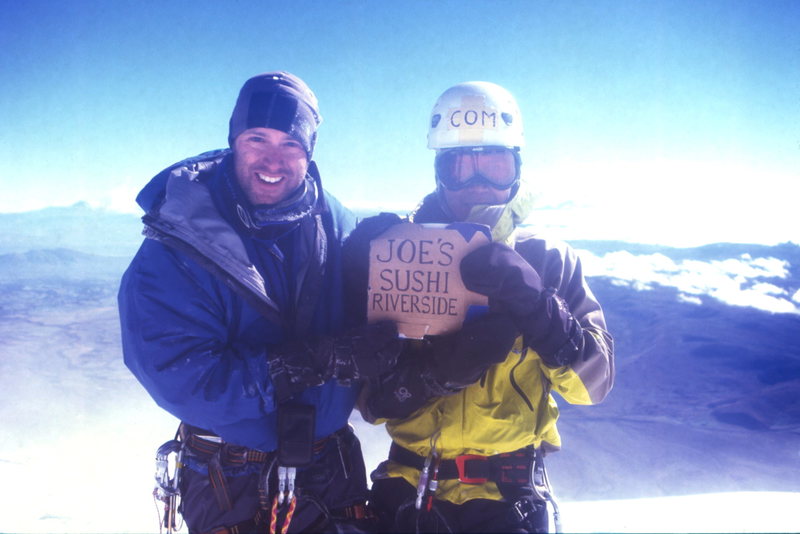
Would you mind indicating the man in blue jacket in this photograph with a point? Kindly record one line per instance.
(232, 320)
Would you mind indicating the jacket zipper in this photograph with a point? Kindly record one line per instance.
(516, 386)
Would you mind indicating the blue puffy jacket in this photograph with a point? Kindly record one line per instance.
(204, 300)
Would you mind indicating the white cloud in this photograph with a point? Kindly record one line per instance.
(689, 299)
(667, 202)
(736, 281)
(120, 198)
(763, 287)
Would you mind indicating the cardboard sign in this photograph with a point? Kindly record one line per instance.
(415, 280)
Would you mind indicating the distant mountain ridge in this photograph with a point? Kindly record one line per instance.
(83, 228)
(715, 251)
(78, 227)
(60, 263)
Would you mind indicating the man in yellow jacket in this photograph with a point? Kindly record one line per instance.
(471, 414)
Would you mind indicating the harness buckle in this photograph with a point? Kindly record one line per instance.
(461, 465)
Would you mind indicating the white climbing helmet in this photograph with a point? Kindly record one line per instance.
(475, 114)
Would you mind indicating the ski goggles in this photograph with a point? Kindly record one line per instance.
(497, 167)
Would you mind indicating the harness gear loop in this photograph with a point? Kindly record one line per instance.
(167, 490)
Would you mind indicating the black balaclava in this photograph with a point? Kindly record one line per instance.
(280, 101)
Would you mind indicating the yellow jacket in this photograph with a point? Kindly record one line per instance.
(511, 407)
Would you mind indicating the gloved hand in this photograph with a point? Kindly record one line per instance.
(355, 262)
(514, 286)
(497, 271)
(440, 366)
(364, 352)
(459, 359)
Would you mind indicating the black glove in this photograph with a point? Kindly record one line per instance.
(459, 359)
(355, 262)
(364, 352)
(514, 286)
(440, 366)
(402, 391)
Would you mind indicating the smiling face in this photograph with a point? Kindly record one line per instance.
(269, 164)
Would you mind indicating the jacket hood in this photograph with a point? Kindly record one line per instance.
(154, 193)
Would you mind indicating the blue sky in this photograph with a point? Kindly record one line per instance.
(651, 121)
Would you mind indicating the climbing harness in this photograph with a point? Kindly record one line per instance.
(279, 500)
(511, 468)
(507, 470)
(169, 462)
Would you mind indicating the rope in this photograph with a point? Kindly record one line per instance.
(273, 520)
(289, 515)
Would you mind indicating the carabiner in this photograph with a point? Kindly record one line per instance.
(167, 488)
(286, 477)
(166, 484)
(425, 484)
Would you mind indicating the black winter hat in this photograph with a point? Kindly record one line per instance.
(277, 100)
